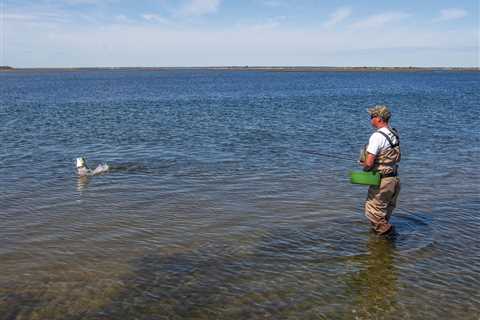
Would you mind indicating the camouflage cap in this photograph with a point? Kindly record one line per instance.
(381, 111)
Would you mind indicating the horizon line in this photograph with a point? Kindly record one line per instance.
(253, 68)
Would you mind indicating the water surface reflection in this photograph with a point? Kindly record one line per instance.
(374, 286)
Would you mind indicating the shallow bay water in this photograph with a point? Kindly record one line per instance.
(216, 205)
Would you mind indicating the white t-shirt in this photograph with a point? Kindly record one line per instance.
(378, 143)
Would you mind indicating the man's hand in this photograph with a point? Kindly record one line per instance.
(369, 163)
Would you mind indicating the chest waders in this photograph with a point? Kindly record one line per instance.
(385, 163)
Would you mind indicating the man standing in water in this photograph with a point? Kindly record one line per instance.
(382, 154)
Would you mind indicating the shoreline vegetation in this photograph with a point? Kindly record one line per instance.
(256, 68)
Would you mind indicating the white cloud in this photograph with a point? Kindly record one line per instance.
(16, 16)
(379, 20)
(121, 18)
(151, 17)
(338, 16)
(154, 45)
(200, 7)
(451, 14)
(270, 23)
(51, 16)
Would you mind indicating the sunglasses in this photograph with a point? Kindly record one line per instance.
(373, 116)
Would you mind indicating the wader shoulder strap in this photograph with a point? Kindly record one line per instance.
(393, 131)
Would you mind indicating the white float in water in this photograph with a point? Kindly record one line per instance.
(83, 170)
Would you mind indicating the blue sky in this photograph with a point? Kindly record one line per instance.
(110, 33)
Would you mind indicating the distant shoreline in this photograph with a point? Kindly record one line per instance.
(255, 68)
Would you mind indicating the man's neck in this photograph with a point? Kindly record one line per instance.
(383, 125)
